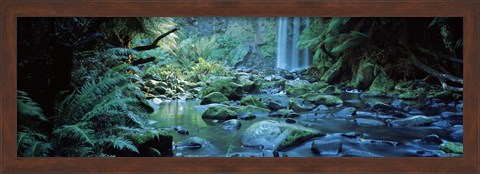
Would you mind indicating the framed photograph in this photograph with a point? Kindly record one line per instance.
(239, 86)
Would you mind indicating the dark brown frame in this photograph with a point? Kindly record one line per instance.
(468, 9)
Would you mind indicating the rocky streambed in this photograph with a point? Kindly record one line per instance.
(307, 119)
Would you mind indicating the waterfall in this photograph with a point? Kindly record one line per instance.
(289, 57)
(282, 43)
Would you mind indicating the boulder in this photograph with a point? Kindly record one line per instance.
(297, 87)
(300, 105)
(418, 120)
(431, 153)
(359, 153)
(380, 86)
(346, 112)
(364, 75)
(320, 99)
(452, 147)
(431, 139)
(249, 116)
(326, 147)
(193, 143)
(369, 122)
(275, 102)
(248, 110)
(224, 85)
(214, 97)
(219, 113)
(352, 135)
(232, 124)
(250, 100)
(457, 135)
(275, 135)
(291, 121)
(152, 142)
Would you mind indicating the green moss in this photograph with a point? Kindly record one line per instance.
(241, 110)
(318, 99)
(250, 100)
(225, 86)
(381, 85)
(334, 71)
(214, 97)
(141, 138)
(219, 112)
(297, 135)
(452, 147)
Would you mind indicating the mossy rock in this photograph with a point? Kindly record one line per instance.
(300, 105)
(214, 97)
(452, 147)
(297, 87)
(152, 142)
(318, 85)
(249, 109)
(417, 94)
(334, 72)
(275, 135)
(226, 86)
(284, 113)
(219, 113)
(331, 90)
(380, 86)
(321, 99)
(250, 100)
(364, 76)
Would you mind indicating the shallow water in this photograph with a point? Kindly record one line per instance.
(227, 142)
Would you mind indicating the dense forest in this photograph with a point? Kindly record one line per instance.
(239, 87)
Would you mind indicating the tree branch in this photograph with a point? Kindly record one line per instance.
(153, 45)
(450, 58)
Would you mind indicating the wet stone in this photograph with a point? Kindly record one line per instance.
(352, 134)
(457, 135)
(430, 153)
(431, 139)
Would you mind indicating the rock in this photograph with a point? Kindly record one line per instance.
(435, 103)
(232, 124)
(459, 107)
(431, 153)
(291, 121)
(194, 143)
(320, 108)
(380, 86)
(219, 112)
(452, 147)
(399, 104)
(300, 105)
(431, 139)
(181, 130)
(346, 112)
(418, 120)
(214, 97)
(330, 90)
(320, 99)
(328, 147)
(151, 83)
(250, 100)
(352, 135)
(382, 107)
(359, 153)
(284, 113)
(224, 85)
(457, 135)
(444, 124)
(334, 71)
(247, 84)
(160, 90)
(456, 128)
(147, 140)
(249, 116)
(369, 122)
(364, 75)
(297, 87)
(275, 102)
(274, 135)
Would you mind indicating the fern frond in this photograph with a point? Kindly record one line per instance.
(76, 132)
(121, 143)
(27, 107)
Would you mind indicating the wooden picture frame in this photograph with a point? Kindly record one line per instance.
(10, 10)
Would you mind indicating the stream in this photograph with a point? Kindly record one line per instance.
(388, 141)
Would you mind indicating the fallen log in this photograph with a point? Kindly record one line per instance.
(153, 45)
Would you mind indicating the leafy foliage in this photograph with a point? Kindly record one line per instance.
(78, 132)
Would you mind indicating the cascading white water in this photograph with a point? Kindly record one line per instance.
(289, 57)
(282, 43)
